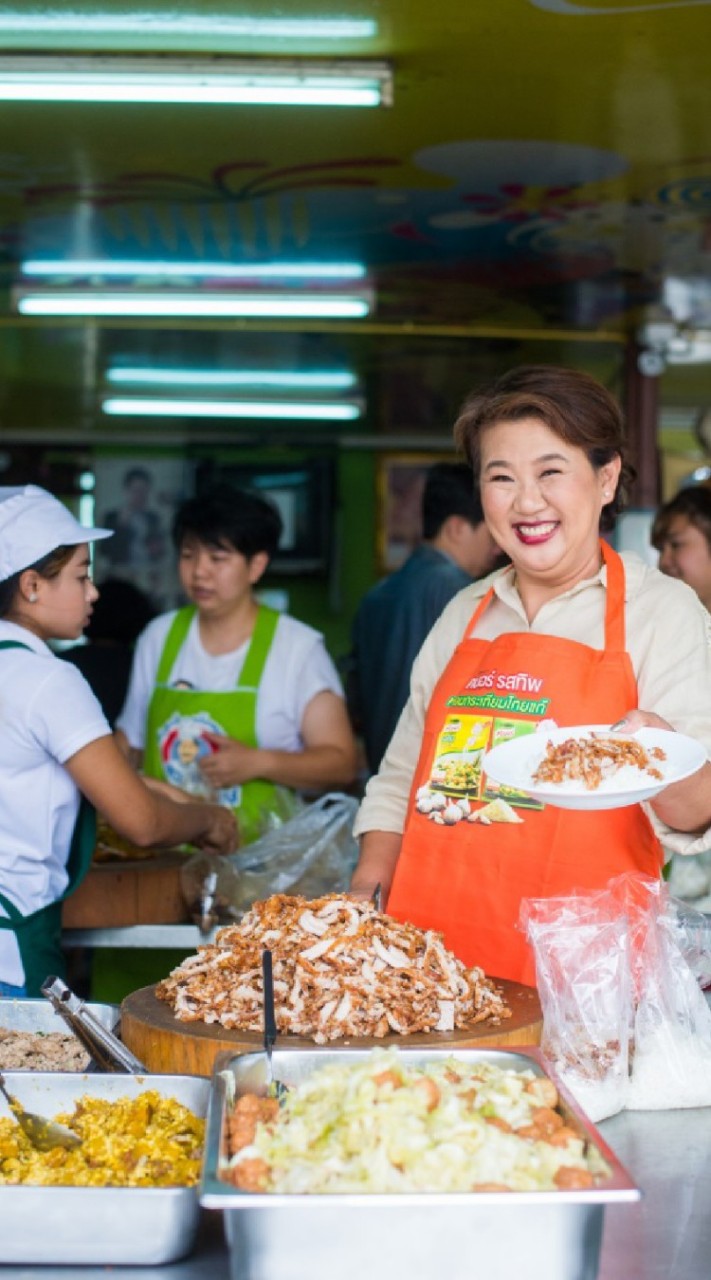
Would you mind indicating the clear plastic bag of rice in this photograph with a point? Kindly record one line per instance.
(671, 1062)
(581, 945)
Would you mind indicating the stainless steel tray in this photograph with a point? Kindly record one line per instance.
(542, 1235)
(38, 1016)
(130, 1226)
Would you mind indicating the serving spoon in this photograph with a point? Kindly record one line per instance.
(42, 1133)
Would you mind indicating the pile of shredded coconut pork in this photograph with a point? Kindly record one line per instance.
(341, 968)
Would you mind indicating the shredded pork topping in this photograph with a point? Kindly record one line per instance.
(341, 968)
(593, 760)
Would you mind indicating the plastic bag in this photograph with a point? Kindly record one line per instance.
(311, 854)
(209, 886)
(671, 1062)
(694, 937)
(636, 934)
(581, 946)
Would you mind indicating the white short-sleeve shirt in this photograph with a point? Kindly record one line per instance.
(47, 714)
(297, 668)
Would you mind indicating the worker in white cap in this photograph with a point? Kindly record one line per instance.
(58, 759)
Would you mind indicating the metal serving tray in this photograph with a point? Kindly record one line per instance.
(542, 1235)
(38, 1016)
(130, 1226)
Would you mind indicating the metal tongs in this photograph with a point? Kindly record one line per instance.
(376, 897)
(105, 1048)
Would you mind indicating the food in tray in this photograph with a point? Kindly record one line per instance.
(111, 847)
(595, 760)
(41, 1051)
(341, 968)
(145, 1141)
(385, 1125)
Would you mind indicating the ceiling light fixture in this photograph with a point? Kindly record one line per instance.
(325, 380)
(334, 411)
(215, 81)
(197, 270)
(200, 304)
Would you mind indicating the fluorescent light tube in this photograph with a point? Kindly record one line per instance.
(141, 23)
(213, 81)
(335, 411)
(198, 270)
(335, 380)
(174, 302)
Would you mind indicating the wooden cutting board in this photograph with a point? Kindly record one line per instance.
(164, 1044)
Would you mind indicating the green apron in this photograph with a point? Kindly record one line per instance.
(177, 719)
(39, 935)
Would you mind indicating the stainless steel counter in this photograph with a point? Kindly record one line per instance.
(148, 937)
(665, 1237)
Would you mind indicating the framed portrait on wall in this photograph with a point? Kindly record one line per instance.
(137, 497)
(401, 481)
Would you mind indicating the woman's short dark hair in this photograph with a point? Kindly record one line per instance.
(49, 566)
(573, 404)
(223, 516)
(694, 503)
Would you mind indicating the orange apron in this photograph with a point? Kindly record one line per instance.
(468, 879)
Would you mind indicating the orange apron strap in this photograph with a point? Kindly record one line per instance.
(615, 604)
(480, 609)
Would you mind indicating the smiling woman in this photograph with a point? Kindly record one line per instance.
(590, 630)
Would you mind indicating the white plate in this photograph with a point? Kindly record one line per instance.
(513, 763)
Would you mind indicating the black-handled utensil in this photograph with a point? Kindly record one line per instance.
(274, 1087)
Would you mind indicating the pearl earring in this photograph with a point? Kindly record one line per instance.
(32, 598)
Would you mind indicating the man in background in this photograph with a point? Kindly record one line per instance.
(394, 617)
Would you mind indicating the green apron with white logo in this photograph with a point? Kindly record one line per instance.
(39, 935)
(178, 718)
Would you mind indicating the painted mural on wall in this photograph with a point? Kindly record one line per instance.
(553, 206)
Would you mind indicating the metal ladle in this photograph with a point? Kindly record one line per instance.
(42, 1133)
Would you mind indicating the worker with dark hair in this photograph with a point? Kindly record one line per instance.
(228, 698)
(394, 617)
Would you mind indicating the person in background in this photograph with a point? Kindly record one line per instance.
(58, 759)
(681, 534)
(570, 632)
(394, 617)
(227, 697)
(120, 614)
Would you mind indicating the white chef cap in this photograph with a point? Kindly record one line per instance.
(33, 523)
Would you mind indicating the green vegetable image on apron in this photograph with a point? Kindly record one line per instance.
(39, 935)
(178, 719)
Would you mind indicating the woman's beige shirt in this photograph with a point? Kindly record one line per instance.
(668, 636)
